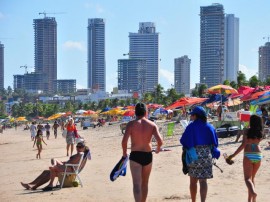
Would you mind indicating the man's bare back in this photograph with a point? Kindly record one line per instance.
(141, 131)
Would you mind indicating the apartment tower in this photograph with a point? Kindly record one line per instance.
(145, 45)
(46, 51)
(1, 66)
(212, 27)
(231, 47)
(131, 75)
(96, 55)
(264, 62)
(182, 74)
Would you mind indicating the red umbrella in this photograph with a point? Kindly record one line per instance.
(253, 96)
(89, 112)
(129, 113)
(153, 106)
(186, 101)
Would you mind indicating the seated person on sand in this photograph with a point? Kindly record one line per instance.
(57, 168)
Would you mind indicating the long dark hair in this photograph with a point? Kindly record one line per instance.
(255, 130)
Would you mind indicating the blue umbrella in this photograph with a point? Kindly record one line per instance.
(106, 109)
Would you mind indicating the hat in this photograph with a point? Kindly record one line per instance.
(199, 111)
(81, 144)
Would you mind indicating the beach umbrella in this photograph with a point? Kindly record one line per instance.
(153, 106)
(89, 112)
(105, 109)
(80, 111)
(160, 111)
(221, 89)
(115, 111)
(253, 96)
(186, 101)
(262, 99)
(129, 113)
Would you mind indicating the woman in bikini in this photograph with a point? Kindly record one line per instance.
(38, 141)
(252, 154)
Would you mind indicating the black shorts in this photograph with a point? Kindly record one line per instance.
(140, 157)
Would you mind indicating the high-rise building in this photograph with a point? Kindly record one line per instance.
(131, 75)
(1, 65)
(212, 44)
(264, 62)
(46, 51)
(96, 55)
(182, 74)
(18, 82)
(231, 47)
(145, 45)
(65, 86)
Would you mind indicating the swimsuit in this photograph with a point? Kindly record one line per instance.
(253, 156)
(140, 157)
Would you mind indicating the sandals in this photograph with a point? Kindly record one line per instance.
(47, 189)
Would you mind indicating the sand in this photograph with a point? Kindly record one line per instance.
(167, 182)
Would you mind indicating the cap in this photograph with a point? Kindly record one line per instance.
(199, 111)
(81, 144)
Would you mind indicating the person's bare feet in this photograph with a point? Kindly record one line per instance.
(26, 186)
(254, 197)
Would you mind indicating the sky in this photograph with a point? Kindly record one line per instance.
(177, 21)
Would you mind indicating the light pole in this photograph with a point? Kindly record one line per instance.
(37, 106)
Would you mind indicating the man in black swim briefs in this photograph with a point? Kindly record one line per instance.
(141, 131)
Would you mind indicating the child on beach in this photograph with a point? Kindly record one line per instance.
(252, 154)
(38, 141)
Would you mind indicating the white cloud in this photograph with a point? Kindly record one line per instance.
(97, 7)
(248, 71)
(74, 45)
(167, 75)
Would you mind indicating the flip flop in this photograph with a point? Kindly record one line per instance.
(47, 189)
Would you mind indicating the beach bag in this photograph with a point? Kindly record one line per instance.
(184, 163)
(64, 133)
(191, 156)
(70, 180)
(215, 152)
(76, 133)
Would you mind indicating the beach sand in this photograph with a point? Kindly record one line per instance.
(18, 163)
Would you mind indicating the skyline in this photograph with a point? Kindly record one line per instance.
(178, 23)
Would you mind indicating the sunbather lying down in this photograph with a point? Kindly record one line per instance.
(57, 168)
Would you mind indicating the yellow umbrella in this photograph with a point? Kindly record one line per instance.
(21, 118)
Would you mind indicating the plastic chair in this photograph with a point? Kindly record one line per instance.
(76, 168)
(170, 129)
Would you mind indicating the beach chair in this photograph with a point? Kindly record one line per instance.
(170, 129)
(76, 169)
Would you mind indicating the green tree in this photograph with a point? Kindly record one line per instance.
(233, 84)
(202, 90)
(254, 81)
(226, 82)
(241, 79)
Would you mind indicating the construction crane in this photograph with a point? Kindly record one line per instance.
(25, 66)
(267, 37)
(44, 13)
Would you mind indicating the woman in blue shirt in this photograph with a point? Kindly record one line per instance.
(201, 136)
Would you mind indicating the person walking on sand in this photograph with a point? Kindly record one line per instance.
(252, 154)
(33, 130)
(54, 128)
(47, 128)
(141, 131)
(38, 141)
(201, 136)
(70, 138)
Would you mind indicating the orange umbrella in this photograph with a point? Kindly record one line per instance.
(89, 112)
(129, 113)
(253, 96)
(186, 101)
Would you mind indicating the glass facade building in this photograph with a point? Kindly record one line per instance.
(145, 45)
(212, 44)
(96, 55)
(182, 74)
(46, 51)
